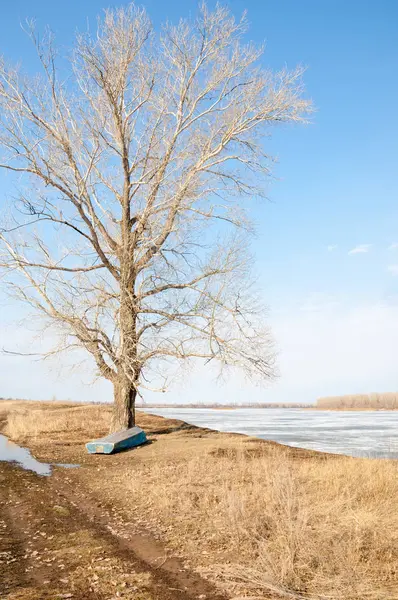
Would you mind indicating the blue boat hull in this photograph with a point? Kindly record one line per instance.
(121, 440)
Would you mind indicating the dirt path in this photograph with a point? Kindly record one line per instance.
(57, 542)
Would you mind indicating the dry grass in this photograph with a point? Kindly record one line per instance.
(273, 524)
(34, 420)
(260, 520)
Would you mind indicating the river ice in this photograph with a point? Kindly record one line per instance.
(371, 434)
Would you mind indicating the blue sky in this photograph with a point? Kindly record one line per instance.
(334, 313)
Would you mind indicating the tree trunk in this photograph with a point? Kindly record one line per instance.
(124, 405)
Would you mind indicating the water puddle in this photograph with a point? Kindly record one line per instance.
(10, 452)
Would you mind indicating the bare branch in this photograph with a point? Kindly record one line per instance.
(137, 169)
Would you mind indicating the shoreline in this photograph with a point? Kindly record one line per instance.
(208, 512)
(143, 407)
(164, 426)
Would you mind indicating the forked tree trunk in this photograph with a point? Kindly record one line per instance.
(124, 405)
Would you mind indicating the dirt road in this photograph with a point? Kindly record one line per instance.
(57, 542)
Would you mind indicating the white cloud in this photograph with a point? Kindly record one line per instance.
(331, 247)
(339, 351)
(327, 351)
(333, 352)
(393, 246)
(361, 249)
(319, 302)
(393, 269)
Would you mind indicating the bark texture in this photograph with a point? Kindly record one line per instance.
(124, 405)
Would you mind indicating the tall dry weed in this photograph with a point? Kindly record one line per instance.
(290, 528)
(56, 422)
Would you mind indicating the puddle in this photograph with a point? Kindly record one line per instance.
(10, 452)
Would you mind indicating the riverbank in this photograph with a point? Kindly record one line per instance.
(198, 508)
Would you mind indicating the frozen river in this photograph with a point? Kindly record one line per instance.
(355, 433)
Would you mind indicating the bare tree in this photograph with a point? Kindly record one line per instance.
(129, 233)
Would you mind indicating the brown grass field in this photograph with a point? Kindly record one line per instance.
(257, 519)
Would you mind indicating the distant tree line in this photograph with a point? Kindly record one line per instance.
(231, 405)
(387, 400)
